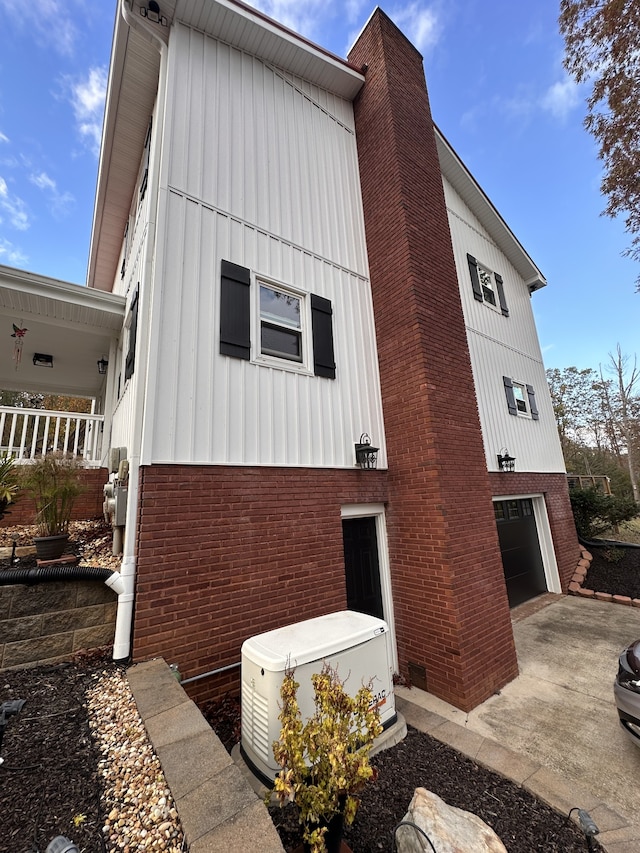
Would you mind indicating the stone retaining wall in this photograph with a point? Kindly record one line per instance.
(46, 623)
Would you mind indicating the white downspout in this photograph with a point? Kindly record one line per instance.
(124, 614)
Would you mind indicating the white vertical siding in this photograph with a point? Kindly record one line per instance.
(212, 408)
(503, 346)
(259, 169)
(264, 147)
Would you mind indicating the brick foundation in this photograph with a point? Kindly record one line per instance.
(451, 608)
(225, 553)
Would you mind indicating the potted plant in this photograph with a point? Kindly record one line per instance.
(53, 481)
(325, 760)
(8, 483)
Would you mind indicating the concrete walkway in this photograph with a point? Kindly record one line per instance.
(554, 730)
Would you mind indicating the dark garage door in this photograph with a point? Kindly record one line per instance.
(520, 547)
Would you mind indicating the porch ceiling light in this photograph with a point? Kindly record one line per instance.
(42, 360)
(506, 462)
(366, 454)
(102, 366)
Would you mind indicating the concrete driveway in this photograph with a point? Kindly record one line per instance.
(560, 712)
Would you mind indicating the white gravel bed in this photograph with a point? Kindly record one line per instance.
(141, 813)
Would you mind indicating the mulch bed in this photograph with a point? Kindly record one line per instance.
(49, 782)
(615, 570)
(523, 822)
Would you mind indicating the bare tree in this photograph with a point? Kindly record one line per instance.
(624, 405)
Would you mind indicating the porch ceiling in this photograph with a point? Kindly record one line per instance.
(73, 324)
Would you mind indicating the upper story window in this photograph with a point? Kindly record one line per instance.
(521, 398)
(281, 323)
(281, 318)
(488, 286)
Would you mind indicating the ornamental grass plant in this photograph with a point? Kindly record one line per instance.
(54, 483)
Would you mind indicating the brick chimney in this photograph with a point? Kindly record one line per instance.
(451, 609)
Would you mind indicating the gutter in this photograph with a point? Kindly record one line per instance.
(126, 592)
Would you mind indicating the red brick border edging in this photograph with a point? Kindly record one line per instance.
(578, 578)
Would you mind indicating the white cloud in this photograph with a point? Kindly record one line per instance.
(11, 255)
(51, 21)
(3, 137)
(420, 24)
(304, 18)
(561, 98)
(59, 203)
(13, 207)
(87, 99)
(43, 181)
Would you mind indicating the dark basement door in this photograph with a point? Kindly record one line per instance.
(362, 569)
(520, 547)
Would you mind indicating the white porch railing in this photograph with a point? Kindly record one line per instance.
(27, 433)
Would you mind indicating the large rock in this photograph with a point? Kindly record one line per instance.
(451, 830)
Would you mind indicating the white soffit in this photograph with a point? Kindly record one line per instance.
(250, 30)
(454, 170)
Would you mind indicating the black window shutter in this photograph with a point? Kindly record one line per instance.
(503, 301)
(532, 403)
(235, 311)
(511, 400)
(475, 279)
(130, 360)
(322, 325)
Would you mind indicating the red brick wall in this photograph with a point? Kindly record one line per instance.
(225, 553)
(452, 614)
(88, 505)
(556, 495)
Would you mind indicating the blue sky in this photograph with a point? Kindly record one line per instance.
(498, 93)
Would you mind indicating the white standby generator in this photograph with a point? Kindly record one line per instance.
(357, 645)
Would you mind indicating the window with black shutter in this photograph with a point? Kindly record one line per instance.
(521, 398)
(488, 286)
(147, 156)
(130, 360)
(280, 323)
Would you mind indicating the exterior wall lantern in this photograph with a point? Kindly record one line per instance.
(506, 462)
(366, 454)
(102, 366)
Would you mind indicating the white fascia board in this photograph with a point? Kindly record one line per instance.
(454, 170)
(34, 286)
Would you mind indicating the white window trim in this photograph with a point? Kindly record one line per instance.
(549, 562)
(377, 511)
(525, 399)
(495, 306)
(257, 356)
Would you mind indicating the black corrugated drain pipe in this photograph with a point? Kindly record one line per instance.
(47, 574)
